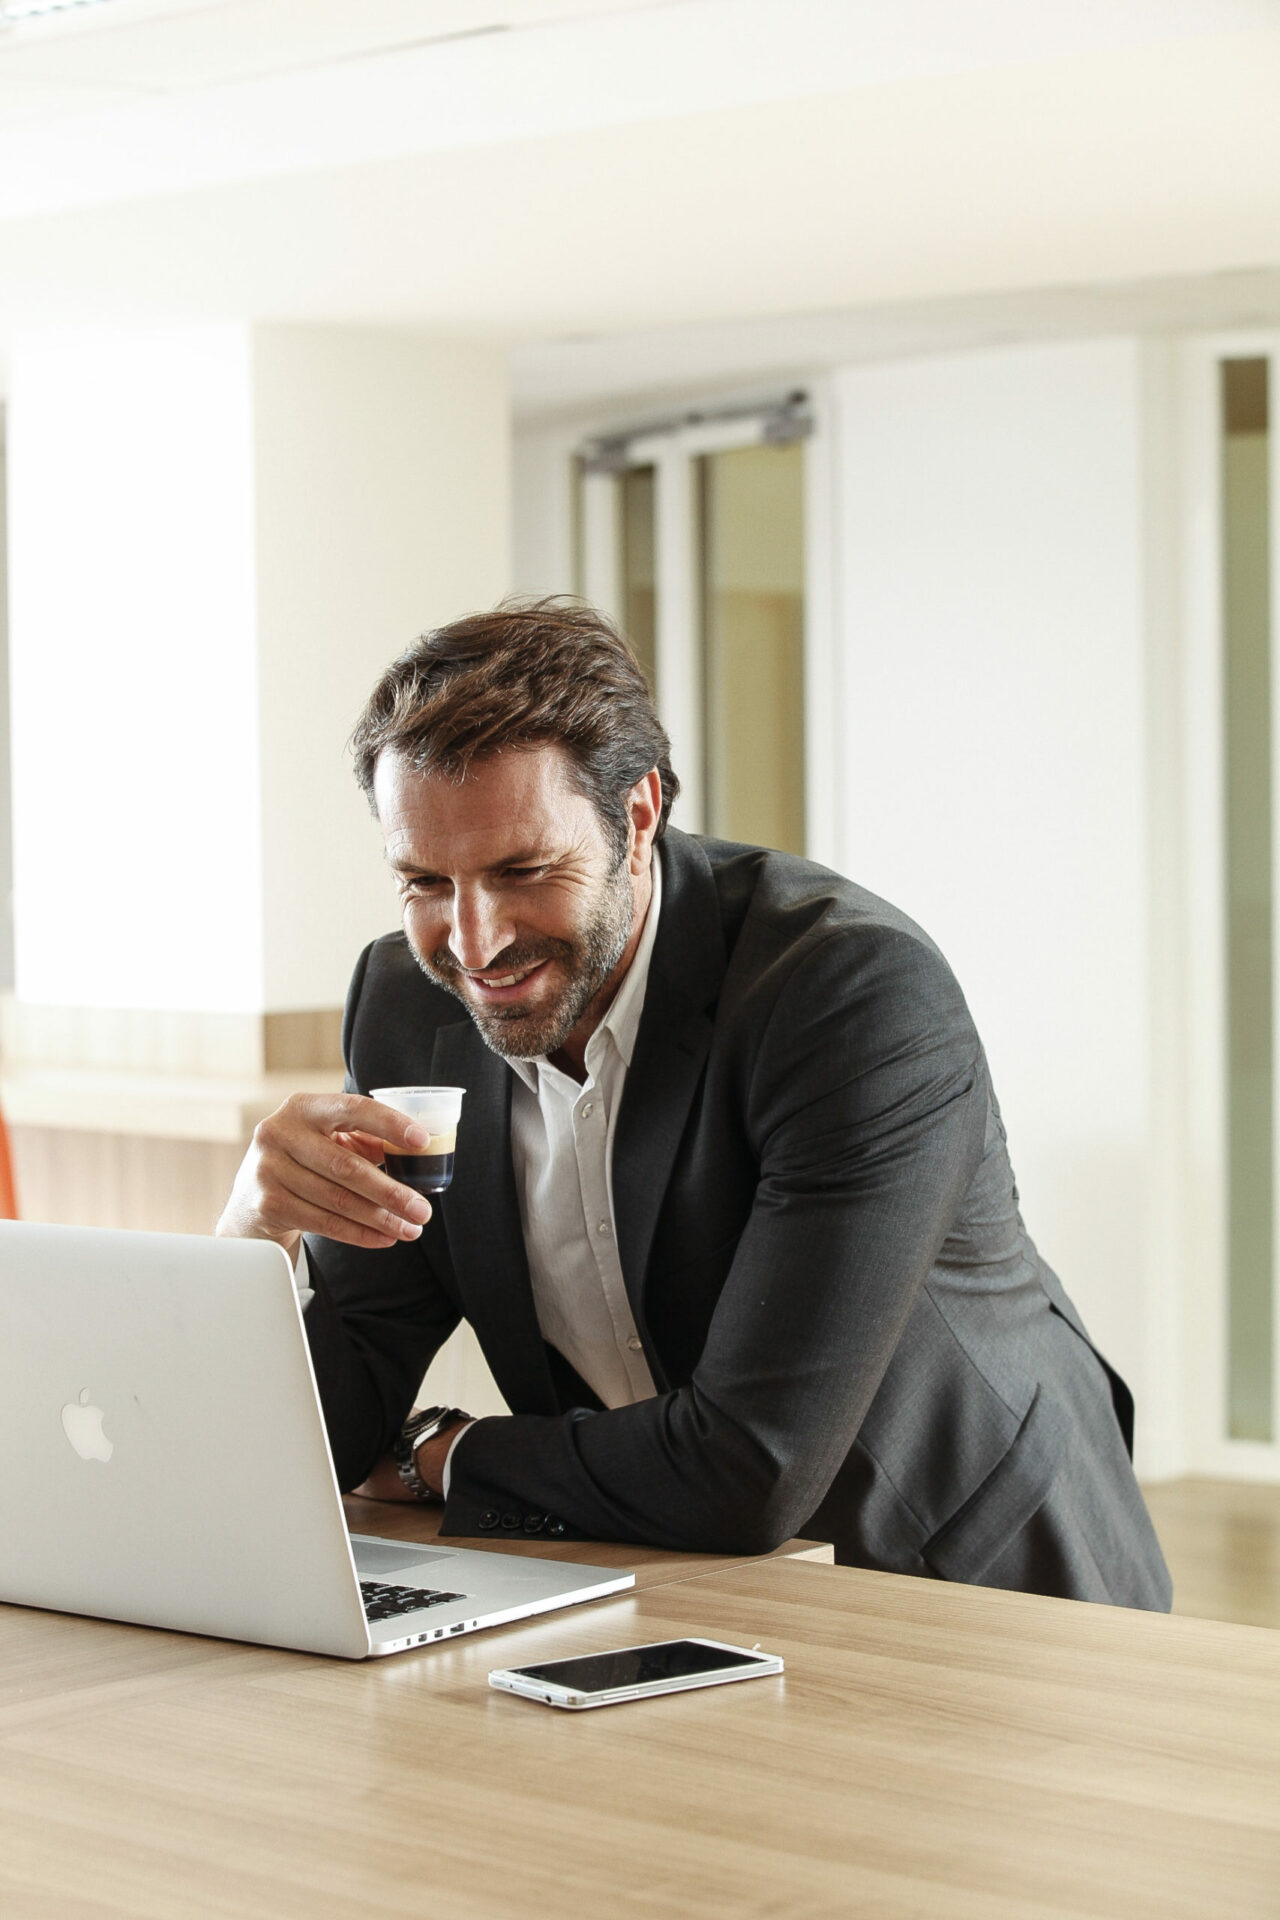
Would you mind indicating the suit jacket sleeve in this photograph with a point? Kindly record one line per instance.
(863, 1091)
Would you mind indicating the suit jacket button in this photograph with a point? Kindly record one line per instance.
(534, 1522)
(555, 1526)
(489, 1519)
(510, 1522)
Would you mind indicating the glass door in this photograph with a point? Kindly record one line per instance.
(693, 538)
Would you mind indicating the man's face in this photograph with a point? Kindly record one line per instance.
(511, 896)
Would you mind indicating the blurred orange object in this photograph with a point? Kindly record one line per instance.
(8, 1193)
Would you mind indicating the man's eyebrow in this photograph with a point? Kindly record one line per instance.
(532, 856)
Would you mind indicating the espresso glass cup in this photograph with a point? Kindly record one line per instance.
(436, 1110)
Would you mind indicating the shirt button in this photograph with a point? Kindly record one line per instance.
(588, 1107)
(602, 1226)
(635, 1343)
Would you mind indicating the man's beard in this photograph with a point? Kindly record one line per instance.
(588, 961)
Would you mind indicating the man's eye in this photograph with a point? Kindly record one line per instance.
(526, 873)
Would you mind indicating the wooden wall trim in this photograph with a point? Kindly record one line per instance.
(145, 1040)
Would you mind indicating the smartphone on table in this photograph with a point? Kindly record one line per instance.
(634, 1673)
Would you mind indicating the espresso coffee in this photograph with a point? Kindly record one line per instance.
(430, 1169)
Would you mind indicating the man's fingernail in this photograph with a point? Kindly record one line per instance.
(416, 1136)
(408, 1231)
(419, 1210)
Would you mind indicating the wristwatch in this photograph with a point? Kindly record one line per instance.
(425, 1424)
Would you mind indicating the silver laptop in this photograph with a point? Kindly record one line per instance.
(163, 1460)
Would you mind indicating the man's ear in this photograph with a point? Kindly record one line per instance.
(644, 810)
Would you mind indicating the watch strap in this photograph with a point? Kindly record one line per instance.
(422, 1425)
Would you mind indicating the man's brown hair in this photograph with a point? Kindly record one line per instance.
(532, 673)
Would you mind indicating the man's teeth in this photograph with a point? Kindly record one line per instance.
(509, 979)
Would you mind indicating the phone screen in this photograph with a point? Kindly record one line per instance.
(637, 1666)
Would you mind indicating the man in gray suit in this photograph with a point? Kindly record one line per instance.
(733, 1216)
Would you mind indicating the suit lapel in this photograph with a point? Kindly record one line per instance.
(674, 1037)
(482, 1220)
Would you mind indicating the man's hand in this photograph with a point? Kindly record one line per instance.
(384, 1483)
(313, 1167)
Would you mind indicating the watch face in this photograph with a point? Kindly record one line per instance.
(419, 1427)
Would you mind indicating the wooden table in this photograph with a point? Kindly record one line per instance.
(931, 1750)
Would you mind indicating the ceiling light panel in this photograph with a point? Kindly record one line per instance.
(24, 20)
(15, 10)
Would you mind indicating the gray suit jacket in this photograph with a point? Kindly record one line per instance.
(850, 1332)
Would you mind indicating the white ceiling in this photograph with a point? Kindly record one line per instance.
(537, 170)
(131, 52)
(622, 375)
(143, 97)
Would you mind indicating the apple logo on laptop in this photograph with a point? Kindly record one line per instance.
(82, 1425)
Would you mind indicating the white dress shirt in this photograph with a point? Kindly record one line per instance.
(562, 1153)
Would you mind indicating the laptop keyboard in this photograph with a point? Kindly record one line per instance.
(383, 1602)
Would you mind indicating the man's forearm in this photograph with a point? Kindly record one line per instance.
(432, 1460)
(660, 1472)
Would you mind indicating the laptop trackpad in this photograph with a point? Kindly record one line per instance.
(393, 1556)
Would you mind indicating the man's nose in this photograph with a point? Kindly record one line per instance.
(481, 929)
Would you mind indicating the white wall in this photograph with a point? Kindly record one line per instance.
(6, 824)
(993, 632)
(132, 641)
(542, 522)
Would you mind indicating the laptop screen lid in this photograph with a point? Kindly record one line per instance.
(163, 1457)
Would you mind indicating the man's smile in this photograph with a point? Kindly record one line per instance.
(498, 988)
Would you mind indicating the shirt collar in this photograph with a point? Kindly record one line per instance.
(622, 1021)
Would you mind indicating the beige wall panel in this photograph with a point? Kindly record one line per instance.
(382, 506)
(122, 1180)
(148, 1040)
